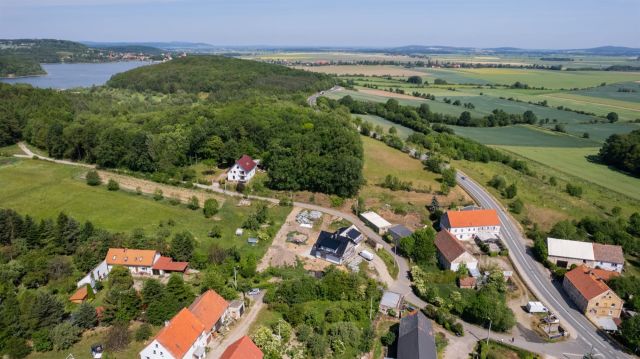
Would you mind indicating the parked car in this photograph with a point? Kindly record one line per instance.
(254, 291)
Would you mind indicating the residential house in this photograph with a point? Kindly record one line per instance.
(467, 283)
(390, 300)
(451, 252)
(243, 348)
(591, 294)
(416, 338)
(338, 246)
(138, 261)
(565, 253)
(398, 232)
(243, 170)
(97, 274)
(183, 337)
(468, 223)
(375, 221)
(211, 310)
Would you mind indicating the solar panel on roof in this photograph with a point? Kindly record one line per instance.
(353, 233)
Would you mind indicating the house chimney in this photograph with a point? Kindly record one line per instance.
(166, 323)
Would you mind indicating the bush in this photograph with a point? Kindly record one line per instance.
(117, 337)
(511, 191)
(93, 178)
(336, 201)
(143, 332)
(41, 341)
(388, 338)
(215, 232)
(193, 203)
(113, 185)
(157, 194)
(574, 190)
(64, 335)
(210, 208)
(516, 206)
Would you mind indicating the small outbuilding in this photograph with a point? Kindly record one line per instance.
(536, 307)
(375, 221)
(236, 309)
(390, 300)
(81, 295)
(398, 232)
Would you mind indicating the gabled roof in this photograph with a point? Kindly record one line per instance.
(473, 218)
(608, 253)
(167, 264)
(467, 282)
(130, 257)
(333, 242)
(180, 333)
(570, 249)
(448, 245)
(587, 283)
(352, 232)
(208, 308)
(81, 294)
(400, 231)
(416, 338)
(243, 348)
(246, 163)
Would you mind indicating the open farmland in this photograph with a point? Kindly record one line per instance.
(574, 161)
(522, 135)
(367, 70)
(43, 189)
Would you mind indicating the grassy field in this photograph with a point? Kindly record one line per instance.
(82, 349)
(43, 189)
(366, 70)
(574, 161)
(403, 132)
(522, 135)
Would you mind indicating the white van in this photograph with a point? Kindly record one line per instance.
(366, 255)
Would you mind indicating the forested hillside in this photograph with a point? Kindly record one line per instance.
(301, 149)
(223, 78)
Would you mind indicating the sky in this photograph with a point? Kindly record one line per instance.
(540, 24)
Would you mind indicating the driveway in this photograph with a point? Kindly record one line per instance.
(240, 329)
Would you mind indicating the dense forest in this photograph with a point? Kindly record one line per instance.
(222, 78)
(300, 148)
(622, 151)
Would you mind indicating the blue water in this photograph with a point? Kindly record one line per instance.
(66, 76)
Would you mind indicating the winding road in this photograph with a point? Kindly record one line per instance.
(585, 337)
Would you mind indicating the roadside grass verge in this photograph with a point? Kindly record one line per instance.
(501, 350)
(388, 260)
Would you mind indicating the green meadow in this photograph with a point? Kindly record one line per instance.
(43, 189)
(522, 135)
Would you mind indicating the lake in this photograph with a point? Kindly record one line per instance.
(66, 76)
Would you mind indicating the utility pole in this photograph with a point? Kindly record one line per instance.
(370, 306)
(489, 331)
(235, 277)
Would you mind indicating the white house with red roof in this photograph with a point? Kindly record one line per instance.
(184, 336)
(467, 224)
(243, 170)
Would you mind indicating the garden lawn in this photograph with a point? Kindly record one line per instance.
(574, 161)
(43, 189)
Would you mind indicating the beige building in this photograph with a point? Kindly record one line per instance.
(591, 294)
(451, 252)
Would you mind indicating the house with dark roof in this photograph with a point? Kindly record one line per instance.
(243, 170)
(451, 253)
(398, 232)
(468, 223)
(591, 294)
(565, 253)
(338, 246)
(416, 338)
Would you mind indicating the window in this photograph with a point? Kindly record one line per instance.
(154, 352)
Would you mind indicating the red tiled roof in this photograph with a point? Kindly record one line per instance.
(603, 274)
(208, 308)
(180, 334)
(587, 283)
(243, 348)
(448, 245)
(467, 282)
(608, 253)
(246, 162)
(81, 294)
(473, 218)
(167, 264)
(130, 257)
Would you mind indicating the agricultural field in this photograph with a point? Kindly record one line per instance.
(575, 161)
(366, 70)
(44, 189)
(403, 132)
(522, 135)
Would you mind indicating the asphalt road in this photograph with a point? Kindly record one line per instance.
(311, 100)
(538, 279)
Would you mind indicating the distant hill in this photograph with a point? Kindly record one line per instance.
(223, 78)
(169, 46)
(136, 49)
(596, 51)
